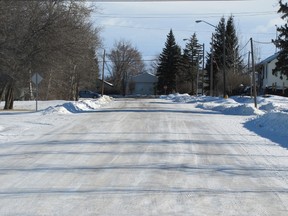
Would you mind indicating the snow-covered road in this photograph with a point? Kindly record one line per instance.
(140, 157)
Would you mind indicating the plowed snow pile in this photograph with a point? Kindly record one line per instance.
(83, 105)
(269, 119)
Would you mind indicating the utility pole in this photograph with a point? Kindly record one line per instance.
(197, 79)
(211, 66)
(203, 65)
(102, 89)
(224, 53)
(254, 76)
(250, 73)
(276, 38)
(224, 61)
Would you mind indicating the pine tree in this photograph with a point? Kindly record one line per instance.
(282, 43)
(225, 37)
(209, 61)
(218, 45)
(234, 62)
(192, 57)
(168, 66)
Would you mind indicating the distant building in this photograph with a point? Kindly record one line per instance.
(143, 84)
(269, 82)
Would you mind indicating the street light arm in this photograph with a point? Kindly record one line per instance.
(198, 21)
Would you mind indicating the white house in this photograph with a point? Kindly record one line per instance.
(144, 84)
(266, 77)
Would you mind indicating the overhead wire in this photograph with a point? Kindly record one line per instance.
(244, 45)
(124, 61)
(261, 42)
(174, 16)
(181, 16)
(147, 28)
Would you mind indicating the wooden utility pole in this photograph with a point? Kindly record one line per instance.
(197, 79)
(250, 74)
(224, 62)
(211, 67)
(254, 76)
(102, 90)
(203, 65)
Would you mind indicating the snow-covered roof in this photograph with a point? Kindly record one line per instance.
(145, 77)
(269, 59)
(107, 83)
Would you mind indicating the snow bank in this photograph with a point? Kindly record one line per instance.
(271, 125)
(270, 120)
(273, 122)
(231, 106)
(83, 105)
(186, 98)
(235, 105)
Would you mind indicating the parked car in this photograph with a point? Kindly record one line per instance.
(276, 91)
(88, 94)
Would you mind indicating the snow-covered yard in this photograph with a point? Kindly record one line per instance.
(177, 155)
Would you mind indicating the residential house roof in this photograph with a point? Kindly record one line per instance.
(107, 83)
(269, 59)
(145, 77)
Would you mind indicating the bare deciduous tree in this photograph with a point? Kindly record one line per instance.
(126, 61)
(54, 38)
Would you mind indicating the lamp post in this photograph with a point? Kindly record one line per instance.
(224, 54)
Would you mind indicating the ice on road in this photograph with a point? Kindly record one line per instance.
(140, 157)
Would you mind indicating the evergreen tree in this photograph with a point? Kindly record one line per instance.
(192, 57)
(209, 61)
(168, 66)
(225, 37)
(218, 45)
(282, 43)
(234, 62)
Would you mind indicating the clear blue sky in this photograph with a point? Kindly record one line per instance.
(146, 24)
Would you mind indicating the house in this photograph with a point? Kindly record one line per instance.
(143, 84)
(269, 82)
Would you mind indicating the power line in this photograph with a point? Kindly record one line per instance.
(260, 42)
(143, 60)
(244, 45)
(175, 30)
(147, 28)
(155, 0)
(181, 16)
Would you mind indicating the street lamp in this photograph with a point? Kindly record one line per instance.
(224, 55)
(198, 21)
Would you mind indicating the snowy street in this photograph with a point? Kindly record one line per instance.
(139, 157)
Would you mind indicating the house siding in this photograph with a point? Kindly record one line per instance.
(268, 79)
(144, 84)
(144, 89)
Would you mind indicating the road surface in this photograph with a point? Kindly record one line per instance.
(142, 157)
